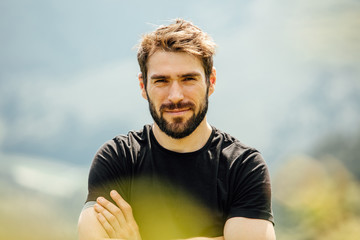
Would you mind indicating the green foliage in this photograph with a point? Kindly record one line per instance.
(316, 200)
(318, 197)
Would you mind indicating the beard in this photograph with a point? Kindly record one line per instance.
(179, 128)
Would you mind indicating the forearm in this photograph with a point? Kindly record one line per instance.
(248, 229)
(89, 227)
(205, 238)
(197, 238)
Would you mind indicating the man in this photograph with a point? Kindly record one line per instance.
(179, 178)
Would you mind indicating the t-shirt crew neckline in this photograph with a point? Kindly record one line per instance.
(153, 140)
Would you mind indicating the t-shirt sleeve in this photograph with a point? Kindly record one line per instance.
(250, 186)
(108, 172)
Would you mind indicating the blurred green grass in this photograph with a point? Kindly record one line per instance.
(25, 214)
(316, 200)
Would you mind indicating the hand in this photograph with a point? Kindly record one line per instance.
(118, 221)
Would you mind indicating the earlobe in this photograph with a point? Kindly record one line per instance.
(142, 86)
(212, 81)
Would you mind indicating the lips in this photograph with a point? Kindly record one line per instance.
(178, 107)
(176, 112)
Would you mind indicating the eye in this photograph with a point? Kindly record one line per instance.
(158, 81)
(189, 79)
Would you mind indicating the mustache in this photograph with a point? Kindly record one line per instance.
(179, 105)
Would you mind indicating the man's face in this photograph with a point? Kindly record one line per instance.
(177, 92)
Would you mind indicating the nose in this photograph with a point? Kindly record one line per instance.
(175, 92)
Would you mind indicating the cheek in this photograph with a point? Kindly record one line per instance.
(155, 101)
(157, 97)
(199, 96)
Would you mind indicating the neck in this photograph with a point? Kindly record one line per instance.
(191, 143)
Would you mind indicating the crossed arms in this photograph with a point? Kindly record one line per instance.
(106, 220)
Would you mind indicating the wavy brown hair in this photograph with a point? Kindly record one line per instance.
(180, 36)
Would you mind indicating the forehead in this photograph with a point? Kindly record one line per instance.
(173, 63)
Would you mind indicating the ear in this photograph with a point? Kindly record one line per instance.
(142, 86)
(212, 81)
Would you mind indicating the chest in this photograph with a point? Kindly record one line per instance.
(185, 192)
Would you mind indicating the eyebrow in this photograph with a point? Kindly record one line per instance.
(190, 74)
(156, 76)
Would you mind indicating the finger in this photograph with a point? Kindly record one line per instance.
(106, 225)
(111, 219)
(113, 209)
(123, 205)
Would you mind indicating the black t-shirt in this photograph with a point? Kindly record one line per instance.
(181, 195)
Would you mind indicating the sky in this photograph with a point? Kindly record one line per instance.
(287, 73)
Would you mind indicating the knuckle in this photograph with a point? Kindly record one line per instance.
(126, 207)
(112, 218)
(117, 211)
(101, 218)
(111, 232)
(105, 205)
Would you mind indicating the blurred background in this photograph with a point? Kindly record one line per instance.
(288, 84)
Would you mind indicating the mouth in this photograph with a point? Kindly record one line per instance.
(177, 112)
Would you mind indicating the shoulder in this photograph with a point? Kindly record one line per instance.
(134, 139)
(233, 150)
(125, 145)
